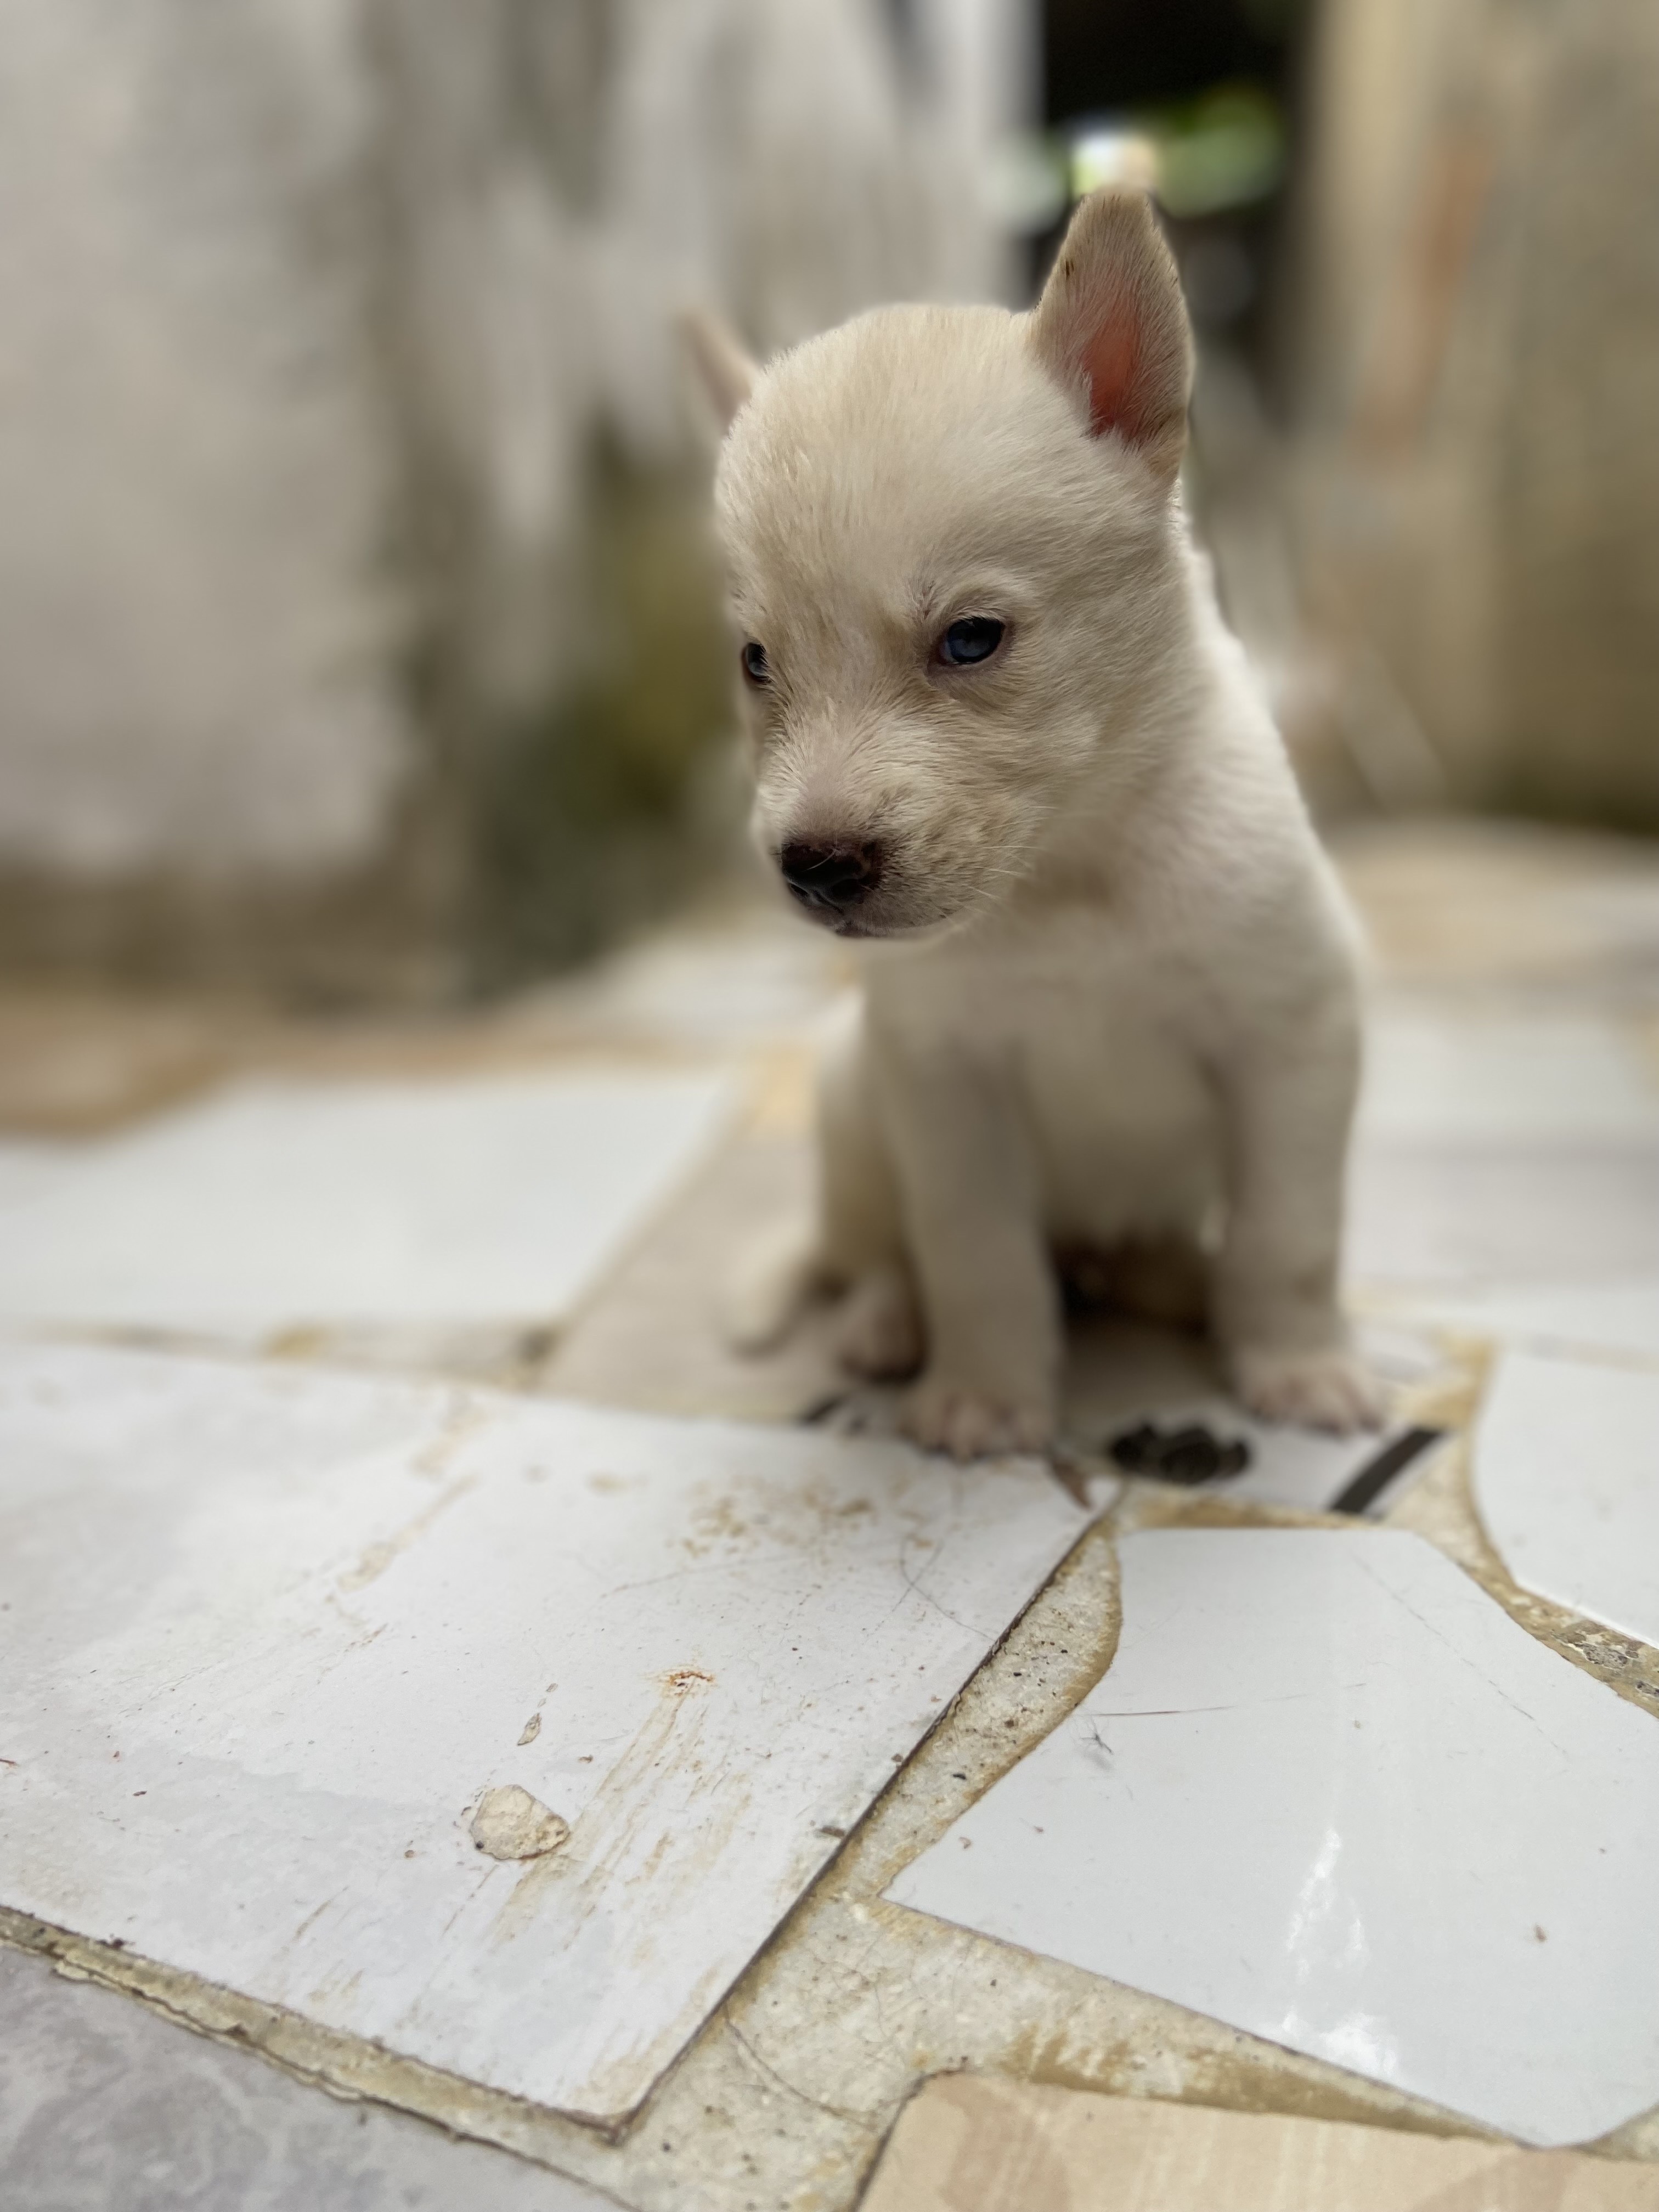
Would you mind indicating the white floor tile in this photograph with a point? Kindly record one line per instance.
(755, 981)
(1329, 1792)
(1619, 1317)
(273, 1635)
(29, 1169)
(1438, 1075)
(275, 1205)
(1566, 1478)
(1480, 1213)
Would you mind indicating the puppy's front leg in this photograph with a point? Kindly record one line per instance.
(969, 1193)
(1290, 1102)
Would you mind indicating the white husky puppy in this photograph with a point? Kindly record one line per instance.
(1003, 742)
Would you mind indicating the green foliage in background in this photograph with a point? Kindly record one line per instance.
(602, 811)
(1226, 149)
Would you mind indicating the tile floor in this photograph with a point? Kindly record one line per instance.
(1565, 1469)
(269, 1206)
(1401, 1834)
(1502, 1193)
(106, 2106)
(1023, 2146)
(535, 1719)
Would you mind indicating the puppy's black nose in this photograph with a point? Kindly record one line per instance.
(831, 877)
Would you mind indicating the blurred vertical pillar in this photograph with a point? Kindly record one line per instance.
(196, 640)
(482, 174)
(1476, 356)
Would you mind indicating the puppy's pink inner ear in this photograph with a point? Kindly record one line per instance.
(1111, 320)
(1111, 363)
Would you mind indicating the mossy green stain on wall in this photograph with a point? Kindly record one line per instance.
(588, 815)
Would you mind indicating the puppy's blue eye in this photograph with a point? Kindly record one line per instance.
(974, 637)
(756, 666)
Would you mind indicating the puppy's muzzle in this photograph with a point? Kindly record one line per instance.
(830, 880)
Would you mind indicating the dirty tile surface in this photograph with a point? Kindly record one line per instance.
(1329, 1792)
(277, 1205)
(1211, 1444)
(1149, 1402)
(498, 1732)
(1567, 1481)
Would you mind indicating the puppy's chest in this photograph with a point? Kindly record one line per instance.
(1099, 1032)
(1098, 1038)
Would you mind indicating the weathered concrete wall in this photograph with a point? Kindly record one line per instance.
(1477, 450)
(335, 337)
(193, 463)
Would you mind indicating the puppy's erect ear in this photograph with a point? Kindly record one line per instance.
(1112, 325)
(726, 372)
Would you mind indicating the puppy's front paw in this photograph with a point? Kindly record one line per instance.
(970, 1423)
(1329, 1388)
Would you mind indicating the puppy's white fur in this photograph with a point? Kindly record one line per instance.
(1109, 994)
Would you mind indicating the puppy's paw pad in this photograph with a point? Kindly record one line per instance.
(1331, 1389)
(878, 1334)
(970, 1424)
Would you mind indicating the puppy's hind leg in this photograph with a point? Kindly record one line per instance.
(771, 1285)
(878, 1331)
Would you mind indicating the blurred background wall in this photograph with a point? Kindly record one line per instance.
(358, 635)
(356, 621)
(1476, 394)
